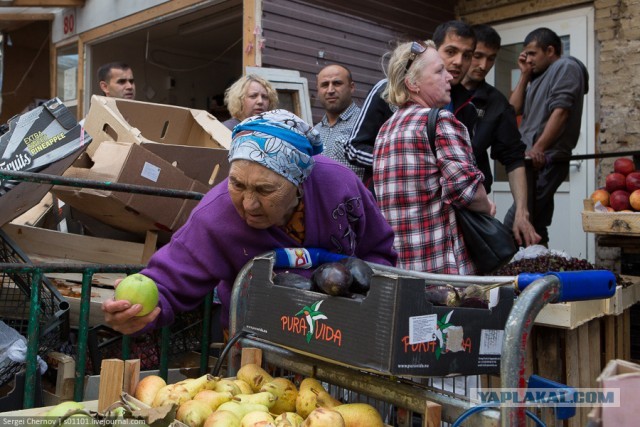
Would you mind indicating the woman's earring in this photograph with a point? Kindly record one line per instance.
(299, 193)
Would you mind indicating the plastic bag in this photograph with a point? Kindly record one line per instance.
(13, 348)
(535, 251)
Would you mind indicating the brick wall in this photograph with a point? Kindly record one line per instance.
(617, 78)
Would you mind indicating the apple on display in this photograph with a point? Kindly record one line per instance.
(138, 289)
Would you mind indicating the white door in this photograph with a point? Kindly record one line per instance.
(576, 31)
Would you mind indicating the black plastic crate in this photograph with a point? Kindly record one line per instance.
(15, 297)
(105, 343)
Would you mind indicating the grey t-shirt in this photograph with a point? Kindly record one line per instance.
(562, 85)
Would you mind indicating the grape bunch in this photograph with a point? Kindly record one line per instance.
(549, 262)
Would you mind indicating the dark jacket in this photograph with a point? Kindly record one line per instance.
(491, 122)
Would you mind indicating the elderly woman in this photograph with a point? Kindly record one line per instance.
(248, 96)
(417, 190)
(277, 195)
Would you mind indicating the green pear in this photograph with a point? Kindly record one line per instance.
(194, 385)
(263, 398)
(256, 419)
(244, 387)
(172, 394)
(193, 413)
(64, 407)
(213, 398)
(254, 375)
(226, 384)
(324, 399)
(359, 415)
(285, 392)
(324, 417)
(222, 419)
(306, 401)
(289, 419)
(241, 409)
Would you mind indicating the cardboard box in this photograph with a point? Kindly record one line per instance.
(192, 140)
(393, 330)
(148, 144)
(625, 376)
(47, 140)
(130, 163)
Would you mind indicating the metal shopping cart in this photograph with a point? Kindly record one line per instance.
(413, 392)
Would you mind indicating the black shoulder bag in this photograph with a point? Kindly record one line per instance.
(490, 244)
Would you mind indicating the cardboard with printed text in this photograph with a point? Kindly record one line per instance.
(393, 329)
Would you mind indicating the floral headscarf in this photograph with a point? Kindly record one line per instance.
(278, 140)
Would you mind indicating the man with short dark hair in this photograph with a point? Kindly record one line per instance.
(550, 96)
(492, 126)
(335, 90)
(116, 80)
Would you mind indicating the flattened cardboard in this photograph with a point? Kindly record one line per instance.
(373, 332)
(131, 164)
(32, 141)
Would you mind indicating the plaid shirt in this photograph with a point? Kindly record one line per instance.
(416, 192)
(335, 137)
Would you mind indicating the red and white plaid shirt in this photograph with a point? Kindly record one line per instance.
(416, 192)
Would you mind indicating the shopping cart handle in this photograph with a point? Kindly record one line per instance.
(576, 285)
(304, 257)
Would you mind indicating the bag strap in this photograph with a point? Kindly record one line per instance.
(432, 118)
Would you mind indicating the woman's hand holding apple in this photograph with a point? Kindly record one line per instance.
(124, 316)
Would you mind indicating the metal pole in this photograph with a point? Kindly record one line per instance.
(83, 335)
(32, 341)
(99, 185)
(516, 332)
(164, 352)
(206, 333)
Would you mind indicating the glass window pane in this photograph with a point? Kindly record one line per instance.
(67, 76)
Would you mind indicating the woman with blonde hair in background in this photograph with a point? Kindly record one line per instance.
(248, 96)
(417, 189)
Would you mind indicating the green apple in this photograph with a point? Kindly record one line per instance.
(138, 289)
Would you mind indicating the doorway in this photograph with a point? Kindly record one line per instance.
(575, 28)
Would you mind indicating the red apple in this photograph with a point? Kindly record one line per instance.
(624, 166)
(620, 200)
(634, 200)
(633, 182)
(615, 181)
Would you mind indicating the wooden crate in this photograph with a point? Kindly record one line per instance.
(627, 223)
(573, 314)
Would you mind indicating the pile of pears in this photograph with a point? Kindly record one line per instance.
(254, 399)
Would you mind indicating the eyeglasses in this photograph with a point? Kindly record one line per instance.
(416, 49)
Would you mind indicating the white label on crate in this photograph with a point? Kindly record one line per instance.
(150, 172)
(422, 328)
(491, 341)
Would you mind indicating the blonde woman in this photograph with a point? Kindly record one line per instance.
(416, 190)
(248, 96)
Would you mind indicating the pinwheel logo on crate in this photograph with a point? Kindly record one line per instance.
(307, 322)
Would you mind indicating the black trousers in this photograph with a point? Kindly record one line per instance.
(546, 182)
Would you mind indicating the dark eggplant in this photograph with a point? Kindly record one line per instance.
(361, 273)
(333, 278)
(292, 280)
(443, 295)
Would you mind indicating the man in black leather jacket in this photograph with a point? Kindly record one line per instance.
(491, 122)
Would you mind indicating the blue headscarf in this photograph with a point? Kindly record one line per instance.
(278, 140)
